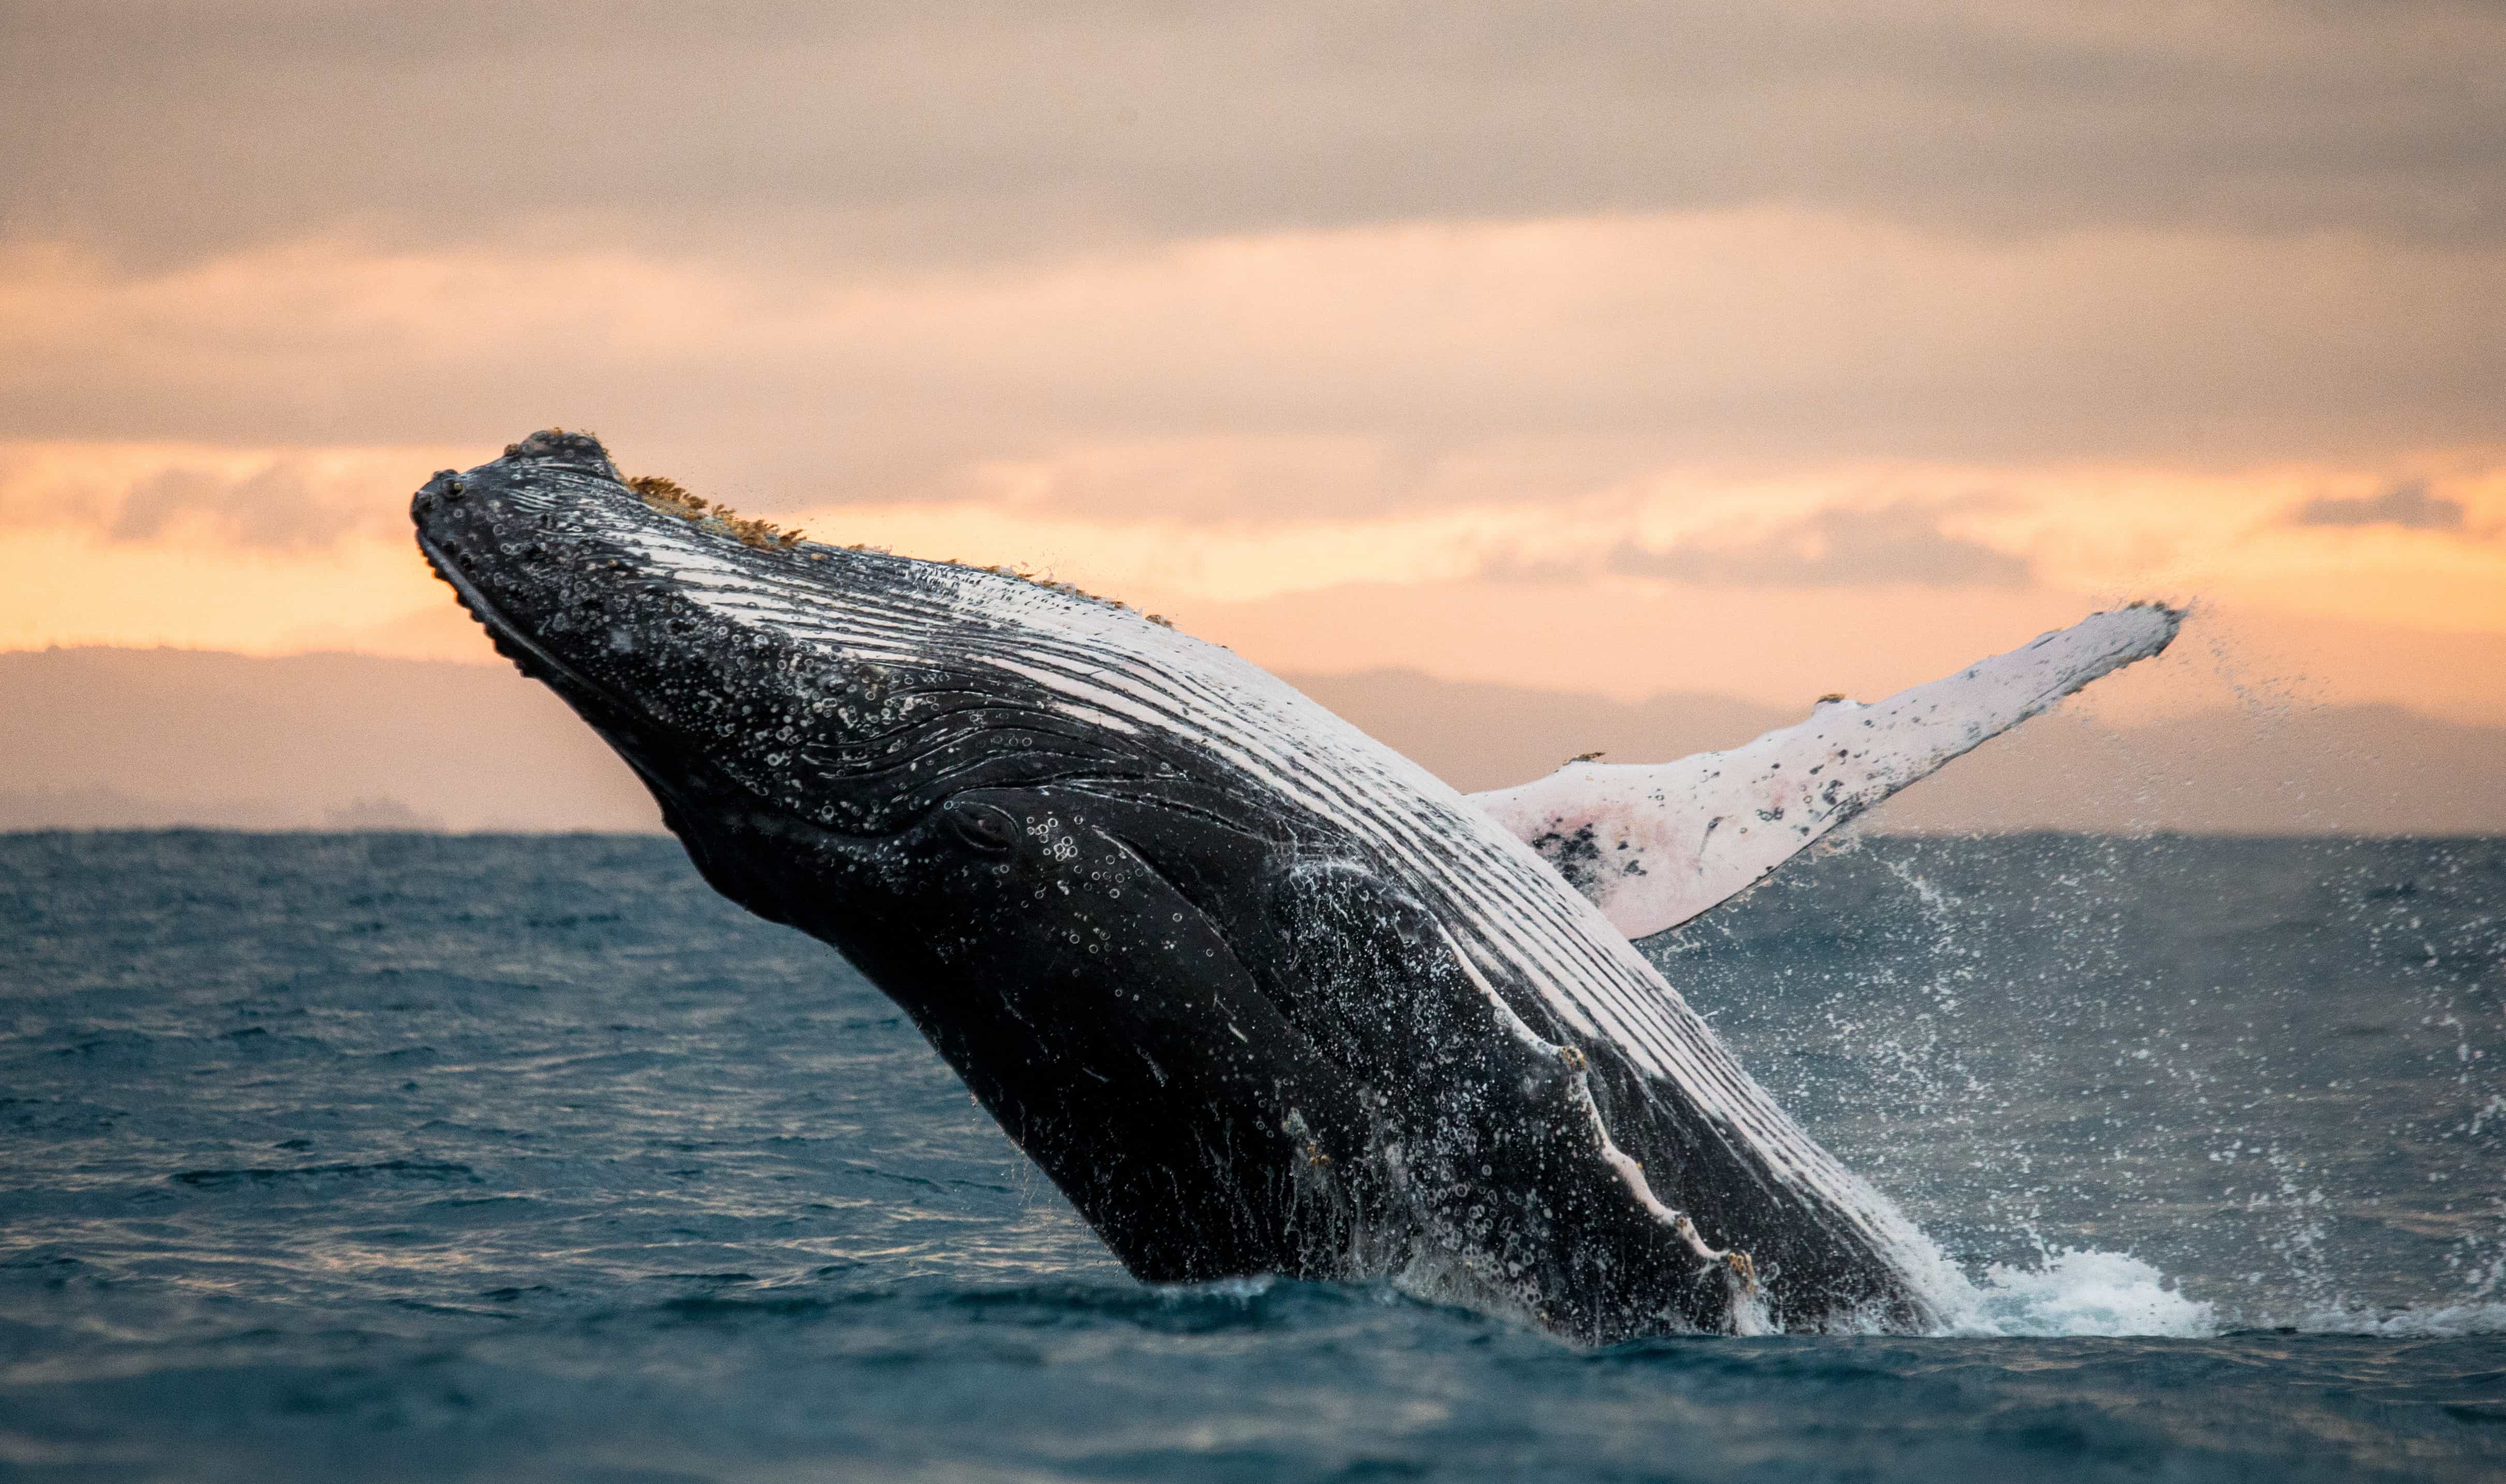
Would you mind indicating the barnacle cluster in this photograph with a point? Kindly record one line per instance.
(672, 498)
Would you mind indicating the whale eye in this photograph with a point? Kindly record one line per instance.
(989, 828)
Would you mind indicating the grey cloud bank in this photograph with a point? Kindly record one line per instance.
(804, 255)
(2407, 504)
(162, 131)
(1573, 356)
(273, 508)
(1838, 547)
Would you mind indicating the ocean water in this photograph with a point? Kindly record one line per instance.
(416, 1157)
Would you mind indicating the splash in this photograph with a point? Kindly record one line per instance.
(2087, 1294)
(2083, 1292)
(2267, 1072)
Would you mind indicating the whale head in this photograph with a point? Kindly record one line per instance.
(843, 688)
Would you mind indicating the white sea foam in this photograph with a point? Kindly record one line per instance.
(2083, 1292)
(2088, 1293)
(2417, 1322)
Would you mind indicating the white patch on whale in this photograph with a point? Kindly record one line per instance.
(1655, 845)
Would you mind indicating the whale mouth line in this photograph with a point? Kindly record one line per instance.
(504, 631)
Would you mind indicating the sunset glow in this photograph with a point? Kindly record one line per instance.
(1827, 424)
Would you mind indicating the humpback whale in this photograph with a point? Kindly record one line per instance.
(1258, 994)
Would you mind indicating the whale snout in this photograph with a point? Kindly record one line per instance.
(552, 488)
(647, 608)
(454, 510)
(529, 543)
(439, 511)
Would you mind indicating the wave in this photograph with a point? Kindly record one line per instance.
(2416, 1321)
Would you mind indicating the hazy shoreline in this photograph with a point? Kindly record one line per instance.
(149, 739)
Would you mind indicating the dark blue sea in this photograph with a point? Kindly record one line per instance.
(418, 1158)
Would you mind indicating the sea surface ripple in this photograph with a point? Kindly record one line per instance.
(425, 1157)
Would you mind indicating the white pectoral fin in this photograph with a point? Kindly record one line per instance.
(1654, 846)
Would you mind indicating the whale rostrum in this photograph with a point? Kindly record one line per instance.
(1258, 994)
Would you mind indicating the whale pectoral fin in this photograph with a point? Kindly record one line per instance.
(1654, 846)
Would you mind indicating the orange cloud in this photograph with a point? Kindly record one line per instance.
(1747, 333)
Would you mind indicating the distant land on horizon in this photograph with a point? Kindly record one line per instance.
(126, 738)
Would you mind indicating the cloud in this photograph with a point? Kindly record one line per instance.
(292, 505)
(1837, 548)
(916, 133)
(274, 506)
(1367, 368)
(2407, 504)
(1777, 568)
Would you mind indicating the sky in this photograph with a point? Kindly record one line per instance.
(1766, 351)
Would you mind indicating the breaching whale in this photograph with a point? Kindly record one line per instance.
(1258, 994)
